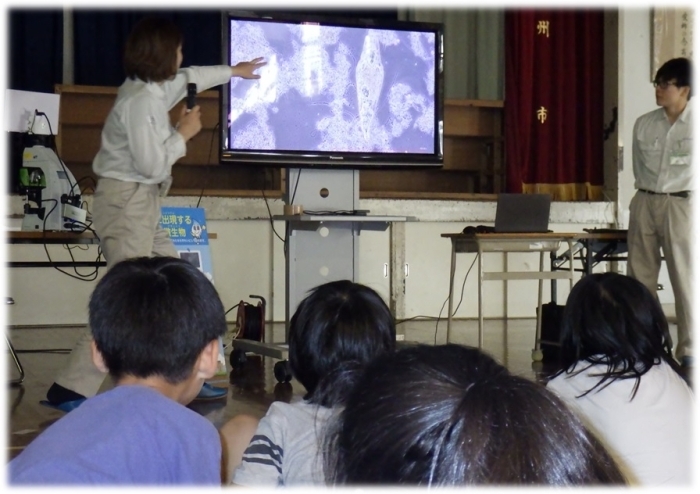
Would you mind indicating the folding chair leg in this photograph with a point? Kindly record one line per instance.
(20, 379)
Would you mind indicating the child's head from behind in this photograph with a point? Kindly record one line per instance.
(451, 415)
(615, 317)
(336, 330)
(154, 317)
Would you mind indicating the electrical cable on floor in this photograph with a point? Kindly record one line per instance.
(461, 297)
(92, 276)
(286, 223)
(211, 146)
(46, 350)
(87, 177)
(413, 318)
(296, 184)
(232, 308)
(272, 224)
(226, 345)
(346, 212)
(55, 150)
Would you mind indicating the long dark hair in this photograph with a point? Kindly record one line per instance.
(337, 330)
(451, 415)
(614, 320)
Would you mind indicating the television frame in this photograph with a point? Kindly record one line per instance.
(341, 158)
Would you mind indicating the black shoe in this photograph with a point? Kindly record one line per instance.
(59, 394)
(62, 398)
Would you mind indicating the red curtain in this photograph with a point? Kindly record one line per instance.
(554, 103)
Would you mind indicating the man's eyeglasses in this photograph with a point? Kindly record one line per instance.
(664, 84)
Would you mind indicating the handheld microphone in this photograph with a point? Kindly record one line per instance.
(191, 94)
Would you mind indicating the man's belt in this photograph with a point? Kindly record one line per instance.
(684, 193)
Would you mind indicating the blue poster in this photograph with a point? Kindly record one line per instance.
(188, 231)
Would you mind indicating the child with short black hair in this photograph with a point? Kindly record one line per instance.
(337, 330)
(156, 324)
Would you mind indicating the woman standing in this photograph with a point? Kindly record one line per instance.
(138, 149)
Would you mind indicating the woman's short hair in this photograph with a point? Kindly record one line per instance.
(151, 50)
(336, 330)
(451, 415)
(614, 320)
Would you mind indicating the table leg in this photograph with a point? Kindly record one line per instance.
(18, 364)
(537, 350)
(588, 268)
(571, 268)
(505, 302)
(481, 303)
(540, 289)
(552, 267)
(452, 282)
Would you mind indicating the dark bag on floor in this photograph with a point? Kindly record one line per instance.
(551, 331)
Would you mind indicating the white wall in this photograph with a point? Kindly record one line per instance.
(636, 93)
(248, 259)
(44, 296)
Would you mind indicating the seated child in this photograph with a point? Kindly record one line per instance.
(155, 324)
(450, 415)
(619, 375)
(334, 333)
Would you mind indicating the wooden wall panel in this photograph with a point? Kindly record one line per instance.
(472, 146)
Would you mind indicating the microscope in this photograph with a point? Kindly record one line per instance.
(52, 194)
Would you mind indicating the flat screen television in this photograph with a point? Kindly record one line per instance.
(334, 93)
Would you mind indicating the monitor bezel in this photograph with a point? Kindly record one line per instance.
(344, 159)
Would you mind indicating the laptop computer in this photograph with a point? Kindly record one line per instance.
(522, 213)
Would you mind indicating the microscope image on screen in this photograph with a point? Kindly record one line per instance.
(332, 89)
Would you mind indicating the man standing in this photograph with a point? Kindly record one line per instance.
(661, 210)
